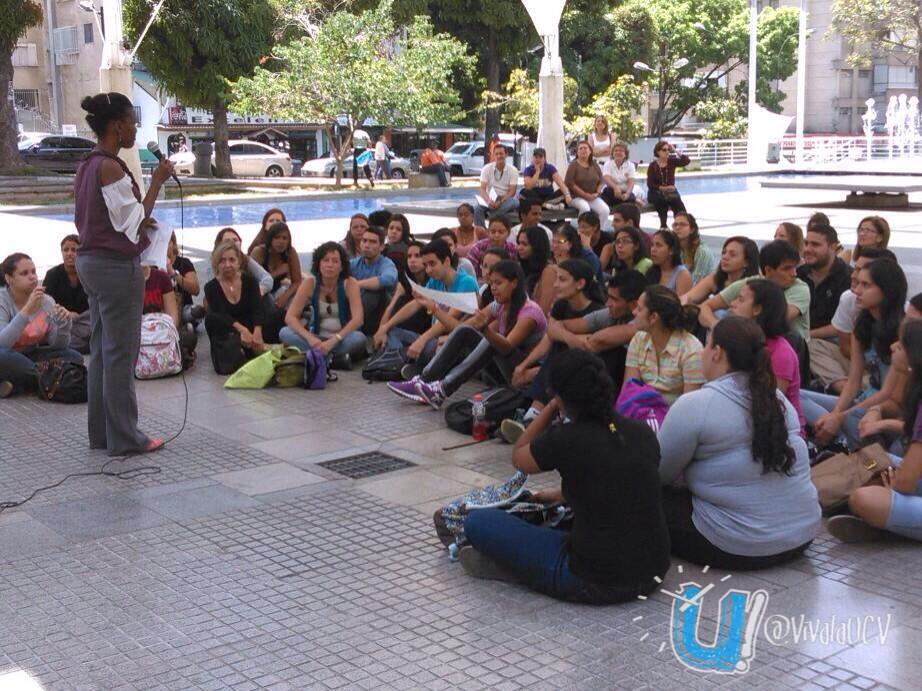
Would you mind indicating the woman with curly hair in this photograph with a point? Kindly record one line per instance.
(749, 501)
(618, 547)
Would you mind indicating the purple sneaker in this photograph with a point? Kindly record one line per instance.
(406, 389)
(431, 393)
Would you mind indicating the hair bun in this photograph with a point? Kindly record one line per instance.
(87, 105)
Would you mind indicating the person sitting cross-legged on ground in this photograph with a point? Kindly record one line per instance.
(270, 218)
(873, 231)
(540, 177)
(280, 259)
(397, 237)
(336, 314)
(695, 254)
(534, 253)
(778, 261)
(376, 276)
(466, 232)
(881, 296)
(499, 181)
(748, 502)
(352, 243)
(492, 257)
(403, 295)
(460, 263)
(668, 269)
(32, 327)
(502, 333)
(530, 215)
(764, 302)
(589, 226)
(262, 277)
(568, 245)
(739, 258)
(663, 353)
(498, 230)
(896, 506)
(618, 546)
(626, 252)
(793, 234)
(185, 283)
(436, 260)
(236, 319)
(65, 288)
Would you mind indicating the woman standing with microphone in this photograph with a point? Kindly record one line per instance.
(112, 221)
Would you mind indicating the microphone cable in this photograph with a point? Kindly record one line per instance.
(130, 473)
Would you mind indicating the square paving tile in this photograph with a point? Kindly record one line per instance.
(267, 478)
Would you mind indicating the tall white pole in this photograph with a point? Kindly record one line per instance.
(752, 155)
(801, 83)
(115, 73)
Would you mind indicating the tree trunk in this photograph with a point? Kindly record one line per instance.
(491, 118)
(9, 153)
(222, 162)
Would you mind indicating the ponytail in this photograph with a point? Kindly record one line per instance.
(672, 313)
(583, 384)
(744, 343)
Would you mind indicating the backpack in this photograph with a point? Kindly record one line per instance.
(289, 369)
(385, 365)
(639, 401)
(316, 372)
(499, 403)
(61, 381)
(159, 355)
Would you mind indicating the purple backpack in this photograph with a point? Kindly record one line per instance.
(315, 369)
(640, 401)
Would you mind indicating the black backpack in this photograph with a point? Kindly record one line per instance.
(385, 365)
(499, 404)
(61, 381)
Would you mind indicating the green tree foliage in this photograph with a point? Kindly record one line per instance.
(620, 103)
(883, 26)
(715, 47)
(196, 50)
(14, 20)
(726, 117)
(360, 66)
(518, 102)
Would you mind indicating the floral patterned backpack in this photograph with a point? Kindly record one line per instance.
(159, 355)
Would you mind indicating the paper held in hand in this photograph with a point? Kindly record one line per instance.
(155, 254)
(463, 302)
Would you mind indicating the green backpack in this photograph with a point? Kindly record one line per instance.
(289, 370)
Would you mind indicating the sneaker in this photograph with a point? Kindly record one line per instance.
(511, 430)
(431, 393)
(409, 371)
(406, 389)
(6, 388)
(853, 529)
(478, 565)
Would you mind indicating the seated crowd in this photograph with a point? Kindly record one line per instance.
(759, 359)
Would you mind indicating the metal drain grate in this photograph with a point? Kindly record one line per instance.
(366, 465)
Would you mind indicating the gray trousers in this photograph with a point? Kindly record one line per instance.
(115, 289)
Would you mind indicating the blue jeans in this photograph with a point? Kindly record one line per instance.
(815, 405)
(400, 338)
(509, 206)
(538, 556)
(353, 342)
(905, 512)
(19, 368)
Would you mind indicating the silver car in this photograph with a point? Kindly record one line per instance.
(325, 167)
(249, 159)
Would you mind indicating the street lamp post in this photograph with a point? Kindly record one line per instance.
(545, 14)
(801, 83)
(752, 155)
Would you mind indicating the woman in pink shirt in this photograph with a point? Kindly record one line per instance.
(764, 302)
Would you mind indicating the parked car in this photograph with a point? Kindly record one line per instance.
(26, 139)
(325, 167)
(57, 153)
(466, 158)
(249, 159)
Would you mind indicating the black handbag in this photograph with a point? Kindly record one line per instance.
(61, 381)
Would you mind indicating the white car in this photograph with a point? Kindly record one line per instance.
(466, 158)
(249, 159)
(26, 139)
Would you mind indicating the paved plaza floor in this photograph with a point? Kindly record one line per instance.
(245, 564)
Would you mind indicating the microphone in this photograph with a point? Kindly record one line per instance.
(158, 154)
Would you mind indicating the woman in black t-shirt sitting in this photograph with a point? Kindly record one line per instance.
(618, 545)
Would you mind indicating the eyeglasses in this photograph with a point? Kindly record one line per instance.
(624, 241)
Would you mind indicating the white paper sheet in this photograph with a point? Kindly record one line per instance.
(155, 254)
(463, 302)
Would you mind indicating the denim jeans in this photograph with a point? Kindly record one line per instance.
(353, 342)
(538, 556)
(509, 206)
(814, 405)
(401, 338)
(438, 170)
(19, 368)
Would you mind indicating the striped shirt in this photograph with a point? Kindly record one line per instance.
(679, 364)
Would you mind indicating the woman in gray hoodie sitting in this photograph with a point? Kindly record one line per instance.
(749, 502)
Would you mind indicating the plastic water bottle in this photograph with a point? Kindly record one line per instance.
(453, 551)
(479, 419)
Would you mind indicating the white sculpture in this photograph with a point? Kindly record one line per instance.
(912, 124)
(870, 115)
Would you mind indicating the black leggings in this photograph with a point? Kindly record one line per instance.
(688, 543)
(227, 353)
(465, 353)
(663, 205)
